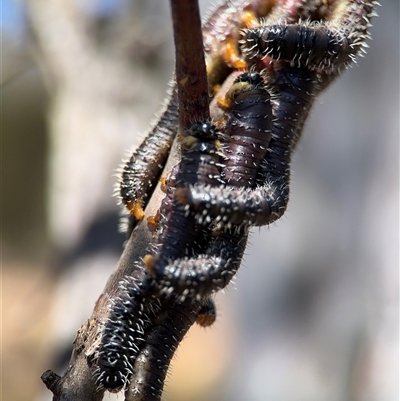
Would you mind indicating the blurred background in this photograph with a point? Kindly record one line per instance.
(313, 312)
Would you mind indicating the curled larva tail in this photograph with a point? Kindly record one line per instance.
(207, 314)
(201, 275)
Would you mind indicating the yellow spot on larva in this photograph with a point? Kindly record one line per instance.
(224, 103)
(163, 184)
(136, 209)
(249, 19)
(217, 144)
(231, 56)
(216, 89)
(152, 221)
(149, 261)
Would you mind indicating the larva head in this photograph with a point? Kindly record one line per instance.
(244, 83)
(203, 131)
(253, 78)
(149, 261)
(198, 134)
(136, 209)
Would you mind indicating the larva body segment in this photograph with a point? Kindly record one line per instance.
(354, 19)
(247, 129)
(143, 169)
(316, 47)
(163, 338)
(210, 271)
(328, 48)
(294, 93)
(178, 234)
(123, 334)
(295, 90)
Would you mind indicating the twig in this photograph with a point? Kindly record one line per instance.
(190, 67)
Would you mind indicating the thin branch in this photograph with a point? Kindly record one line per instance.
(190, 64)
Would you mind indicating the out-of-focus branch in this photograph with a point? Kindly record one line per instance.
(90, 115)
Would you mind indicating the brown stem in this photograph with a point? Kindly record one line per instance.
(190, 65)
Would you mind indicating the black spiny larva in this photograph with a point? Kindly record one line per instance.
(313, 46)
(246, 132)
(327, 47)
(294, 90)
(142, 171)
(209, 271)
(151, 365)
(178, 235)
(122, 336)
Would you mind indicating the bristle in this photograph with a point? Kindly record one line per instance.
(122, 336)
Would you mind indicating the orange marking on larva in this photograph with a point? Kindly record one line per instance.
(231, 56)
(224, 103)
(216, 89)
(152, 222)
(181, 137)
(163, 184)
(149, 261)
(205, 319)
(135, 207)
(221, 122)
(249, 19)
